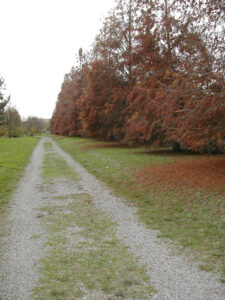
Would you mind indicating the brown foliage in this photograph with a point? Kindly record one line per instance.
(207, 173)
(155, 75)
(103, 104)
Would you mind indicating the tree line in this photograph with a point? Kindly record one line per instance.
(11, 123)
(154, 76)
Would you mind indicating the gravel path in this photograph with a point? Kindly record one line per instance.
(172, 276)
(21, 252)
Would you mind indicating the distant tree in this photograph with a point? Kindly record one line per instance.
(12, 121)
(48, 125)
(34, 125)
(3, 100)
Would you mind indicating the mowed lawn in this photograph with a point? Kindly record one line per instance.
(181, 195)
(14, 156)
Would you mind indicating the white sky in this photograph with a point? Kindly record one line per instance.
(39, 41)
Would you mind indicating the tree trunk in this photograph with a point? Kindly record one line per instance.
(176, 147)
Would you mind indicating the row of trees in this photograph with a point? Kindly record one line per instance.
(11, 124)
(155, 75)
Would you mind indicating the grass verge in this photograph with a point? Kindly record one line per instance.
(14, 156)
(193, 218)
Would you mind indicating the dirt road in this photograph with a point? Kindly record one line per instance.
(68, 237)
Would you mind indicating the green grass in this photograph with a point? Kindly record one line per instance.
(98, 262)
(14, 156)
(56, 167)
(48, 146)
(194, 219)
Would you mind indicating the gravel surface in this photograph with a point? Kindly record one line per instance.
(173, 276)
(22, 252)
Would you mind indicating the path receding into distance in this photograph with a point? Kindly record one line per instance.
(20, 253)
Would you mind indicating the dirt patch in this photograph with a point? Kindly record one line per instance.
(207, 173)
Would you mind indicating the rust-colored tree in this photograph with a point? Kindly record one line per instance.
(60, 123)
(179, 97)
(155, 75)
(103, 104)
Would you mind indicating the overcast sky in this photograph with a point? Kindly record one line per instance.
(39, 41)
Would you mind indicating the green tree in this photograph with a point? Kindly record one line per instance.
(3, 100)
(12, 121)
(34, 125)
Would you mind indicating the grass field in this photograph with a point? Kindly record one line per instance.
(14, 156)
(180, 195)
